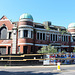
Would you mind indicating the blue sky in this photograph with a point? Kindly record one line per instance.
(59, 12)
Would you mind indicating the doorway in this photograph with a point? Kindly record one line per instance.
(9, 48)
(25, 49)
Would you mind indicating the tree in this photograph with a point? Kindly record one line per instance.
(47, 49)
(63, 51)
(63, 31)
(74, 49)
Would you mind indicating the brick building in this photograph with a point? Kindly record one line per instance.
(27, 36)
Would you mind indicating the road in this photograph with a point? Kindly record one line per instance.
(37, 70)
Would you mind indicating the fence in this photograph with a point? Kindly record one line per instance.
(63, 59)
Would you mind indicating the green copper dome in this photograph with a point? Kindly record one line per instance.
(26, 16)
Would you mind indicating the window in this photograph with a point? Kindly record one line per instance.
(3, 33)
(25, 49)
(9, 35)
(3, 50)
(38, 36)
(56, 37)
(9, 50)
(73, 38)
(19, 34)
(25, 33)
(31, 34)
(62, 38)
(43, 36)
(66, 38)
(51, 37)
(32, 49)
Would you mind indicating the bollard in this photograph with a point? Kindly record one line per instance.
(58, 66)
(34, 57)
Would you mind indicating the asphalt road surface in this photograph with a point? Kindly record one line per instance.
(37, 70)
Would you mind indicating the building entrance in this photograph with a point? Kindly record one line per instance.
(9, 48)
(25, 49)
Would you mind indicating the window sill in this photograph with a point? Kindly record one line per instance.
(5, 39)
(25, 38)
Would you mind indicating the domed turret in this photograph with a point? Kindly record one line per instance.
(71, 29)
(26, 16)
(26, 19)
(71, 25)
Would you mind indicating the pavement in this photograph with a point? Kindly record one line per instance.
(37, 70)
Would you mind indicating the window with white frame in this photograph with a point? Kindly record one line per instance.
(19, 34)
(41, 36)
(10, 35)
(38, 36)
(53, 37)
(31, 34)
(25, 33)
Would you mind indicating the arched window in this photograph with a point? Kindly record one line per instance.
(3, 33)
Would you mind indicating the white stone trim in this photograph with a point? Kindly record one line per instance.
(4, 20)
(71, 28)
(73, 35)
(41, 32)
(26, 26)
(5, 44)
(25, 43)
(29, 33)
(64, 46)
(57, 46)
(41, 45)
(25, 29)
(66, 34)
(72, 32)
(39, 24)
(26, 20)
(21, 33)
(9, 31)
(72, 46)
(40, 29)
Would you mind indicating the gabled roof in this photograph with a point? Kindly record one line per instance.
(3, 17)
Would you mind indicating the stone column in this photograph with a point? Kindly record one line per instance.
(7, 35)
(21, 34)
(29, 33)
(14, 40)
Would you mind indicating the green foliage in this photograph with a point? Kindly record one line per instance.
(63, 51)
(62, 31)
(74, 50)
(47, 49)
(48, 28)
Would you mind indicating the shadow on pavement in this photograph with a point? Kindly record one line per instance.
(26, 73)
